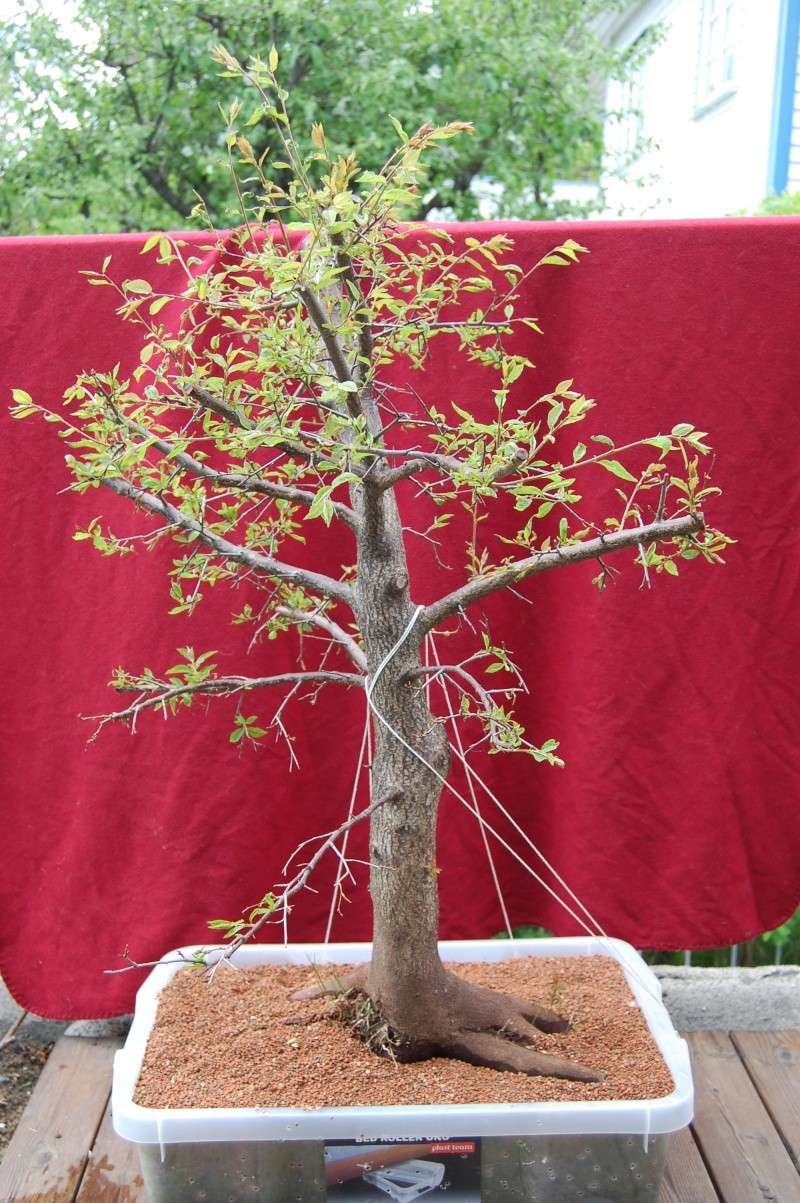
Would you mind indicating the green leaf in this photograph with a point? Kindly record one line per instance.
(579, 452)
(618, 469)
(682, 429)
(554, 415)
(137, 286)
(273, 59)
(662, 441)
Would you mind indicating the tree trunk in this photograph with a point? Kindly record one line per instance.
(406, 976)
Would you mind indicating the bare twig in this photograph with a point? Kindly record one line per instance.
(458, 670)
(12, 1031)
(300, 879)
(298, 882)
(318, 619)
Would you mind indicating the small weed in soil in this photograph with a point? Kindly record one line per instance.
(21, 1062)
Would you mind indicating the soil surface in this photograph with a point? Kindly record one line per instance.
(21, 1062)
(239, 1041)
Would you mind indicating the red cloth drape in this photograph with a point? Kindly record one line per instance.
(676, 818)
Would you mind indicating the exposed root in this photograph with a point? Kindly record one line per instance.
(469, 1022)
(336, 984)
(357, 1012)
(485, 1048)
(480, 1009)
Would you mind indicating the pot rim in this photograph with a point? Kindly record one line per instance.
(174, 1125)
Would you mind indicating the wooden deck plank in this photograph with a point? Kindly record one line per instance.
(686, 1178)
(46, 1156)
(773, 1061)
(112, 1172)
(744, 1153)
(747, 1116)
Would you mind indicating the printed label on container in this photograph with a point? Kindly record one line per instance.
(404, 1169)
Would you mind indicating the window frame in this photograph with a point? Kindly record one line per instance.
(716, 54)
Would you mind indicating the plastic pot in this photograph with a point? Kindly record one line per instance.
(595, 1152)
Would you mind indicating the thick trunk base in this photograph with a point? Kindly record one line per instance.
(451, 1018)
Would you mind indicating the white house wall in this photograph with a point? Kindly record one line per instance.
(704, 161)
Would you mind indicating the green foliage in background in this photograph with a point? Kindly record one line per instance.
(782, 944)
(784, 204)
(110, 117)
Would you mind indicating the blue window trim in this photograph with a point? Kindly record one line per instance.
(785, 85)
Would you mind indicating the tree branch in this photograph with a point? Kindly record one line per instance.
(483, 695)
(235, 480)
(257, 561)
(209, 401)
(218, 406)
(162, 187)
(419, 460)
(315, 618)
(331, 342)
(365, 341)
(575, 553)
(224, 686)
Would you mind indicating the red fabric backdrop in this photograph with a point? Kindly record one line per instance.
(676, 819)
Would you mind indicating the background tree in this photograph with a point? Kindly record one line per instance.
(109, 118)
(266, 403)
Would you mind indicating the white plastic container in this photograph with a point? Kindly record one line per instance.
(595, 1152)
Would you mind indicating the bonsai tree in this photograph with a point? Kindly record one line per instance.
(263, 406)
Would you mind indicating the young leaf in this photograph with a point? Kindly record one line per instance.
(618, 469)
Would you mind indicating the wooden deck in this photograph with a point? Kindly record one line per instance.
(744, 1146)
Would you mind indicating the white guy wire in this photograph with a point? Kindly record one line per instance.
(459, 750)
(372, 682)
(472, 773)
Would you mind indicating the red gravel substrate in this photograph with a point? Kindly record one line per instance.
(236, 1042)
